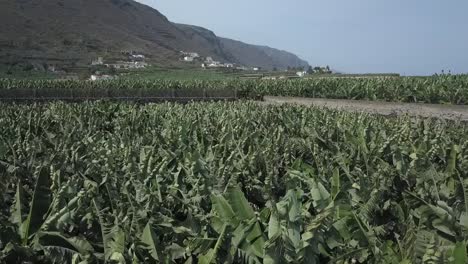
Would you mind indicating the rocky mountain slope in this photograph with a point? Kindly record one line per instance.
(77, 31)
(266, 57)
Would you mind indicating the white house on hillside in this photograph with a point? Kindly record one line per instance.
(137, 57)
(189, 56)
(99, 61)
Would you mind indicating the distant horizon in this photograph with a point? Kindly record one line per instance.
(410, 38)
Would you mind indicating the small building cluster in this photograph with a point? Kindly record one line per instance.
(98, 61)
(135, 61)
(133, 55)
(189, 56)
(279, 77)
(207, 62)
(98, 77)
(313, 70)
(245, 68)
(137, 57)
(128, 65)
(322, 70)
(210, 63)
(301, 73)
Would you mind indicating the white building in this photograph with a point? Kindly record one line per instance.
(193, 54)
(214, 64)
(128, 65)
(101, 77)
(242, 68)
(189, 56)
(301, 74)
(140, 65)
(99, 61)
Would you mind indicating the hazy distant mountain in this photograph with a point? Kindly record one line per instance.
(254, 55)
(77, 31)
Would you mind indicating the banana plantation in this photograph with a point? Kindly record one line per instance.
(438, 89)
(102, 182)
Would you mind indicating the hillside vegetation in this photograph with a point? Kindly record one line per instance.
(73, 33)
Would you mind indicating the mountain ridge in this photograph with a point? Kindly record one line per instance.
(76, 32)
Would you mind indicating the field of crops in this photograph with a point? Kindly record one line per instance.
(229, 183)
(452, 89)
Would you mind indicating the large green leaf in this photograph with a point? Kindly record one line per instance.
(223, 208)
(235, 211)
(464, 220)
(274, 226)
(113, 237)
(253, 238)
(239, 204)
(460, 255)
(58, 240)
(117, 240)
(40, 203)
(320, 196)
(212, 254)
(452, 160)
(149, 238)
(335, 183)
(17, 209)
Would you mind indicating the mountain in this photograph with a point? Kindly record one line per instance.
(203, 35)
(263, 56)
(77, 31)
(234, 51)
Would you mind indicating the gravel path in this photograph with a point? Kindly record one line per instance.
(452, 112)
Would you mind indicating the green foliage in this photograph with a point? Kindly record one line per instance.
(443, 89)
(153, 73)
(229, 183)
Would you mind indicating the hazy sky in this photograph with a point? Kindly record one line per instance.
(404, 36)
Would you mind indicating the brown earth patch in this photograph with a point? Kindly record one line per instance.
(452, 112)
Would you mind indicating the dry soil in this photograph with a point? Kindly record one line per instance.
(452, 112)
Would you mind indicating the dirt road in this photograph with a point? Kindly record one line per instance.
(452, 112)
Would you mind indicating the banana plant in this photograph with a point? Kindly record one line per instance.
(32, 229)
(160, 183)
(239, 231)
